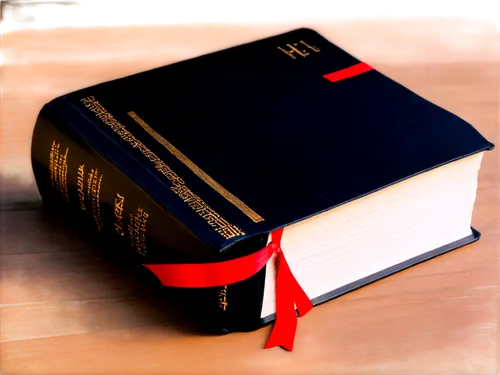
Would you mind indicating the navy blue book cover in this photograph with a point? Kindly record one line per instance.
(240, 142)
(269, 129)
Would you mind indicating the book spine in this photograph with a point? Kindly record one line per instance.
(244, 299)
(76, 181)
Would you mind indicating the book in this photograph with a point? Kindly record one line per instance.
(263, 178)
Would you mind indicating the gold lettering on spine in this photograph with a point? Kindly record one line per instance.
(118, 211)
(94, 193)
(137, 231)
(58, 169)
(222, 297)
(80, 176)
(221, 226)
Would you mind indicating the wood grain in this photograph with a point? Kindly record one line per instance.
(69, 306)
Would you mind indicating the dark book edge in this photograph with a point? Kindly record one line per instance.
(386, 272)
(245, 298)
(218, 309)
(49, 123)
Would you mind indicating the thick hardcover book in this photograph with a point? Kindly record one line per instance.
(264, 176)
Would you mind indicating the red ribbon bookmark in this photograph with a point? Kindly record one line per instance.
(288, 295)
(349, 72)
(288, 291)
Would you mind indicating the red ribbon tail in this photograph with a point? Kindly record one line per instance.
(288, 295)
(302, 301)
(283, 332)
(282, 335)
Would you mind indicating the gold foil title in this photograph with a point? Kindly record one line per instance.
(222, 297)
(137, 230)
(298, 49)
(58, 169)
(94, 193)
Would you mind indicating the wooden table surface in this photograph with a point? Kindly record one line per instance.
(68, 307)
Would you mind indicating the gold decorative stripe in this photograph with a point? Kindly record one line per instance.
(256, 218)
(193, 201)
